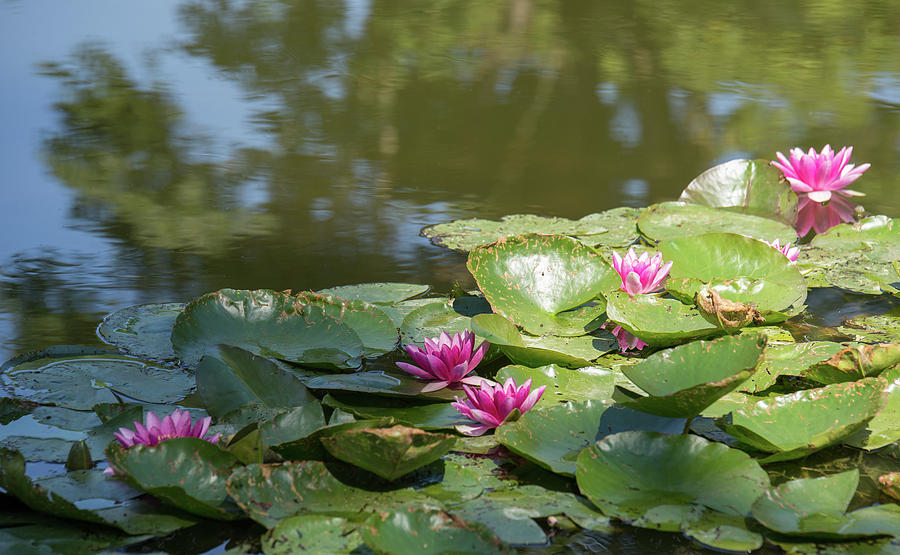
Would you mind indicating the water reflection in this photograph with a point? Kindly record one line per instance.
(371, 119)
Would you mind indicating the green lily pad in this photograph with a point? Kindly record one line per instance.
(268, 493)
(853, 271)
(423, 531)
(674, 220)
(143, 330)
(374, 327)
(829, 414)
(186, 472)
(389, 383)
(631, 473)
(397, 312)
(313, 534)
(230, 377)
(564, 384)
(451, 316)
(683, 381)
(749, 186)
(529, 350)
(428, 416)
(788, 360)
(658, 321)
(548, 284)
(855, 362)
(878, 237)
(890, 484)
(552, 436)
(884, 428)
(722, 532)
(266, 323)
(310, 447)
(613, 228)
(62, 537)
(882, 328)
(377, 293)
(291, 424)
(388, 452)
(81, 377)
(815, 507)
(738, 268)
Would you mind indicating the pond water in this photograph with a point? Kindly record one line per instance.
(156, 151)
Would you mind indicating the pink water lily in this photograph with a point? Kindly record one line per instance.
(627, 340)
(445, 360)
(819, 179)
(640, 274)
(788, 250)
(491, 404)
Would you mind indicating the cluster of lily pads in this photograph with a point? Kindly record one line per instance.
(724, 422)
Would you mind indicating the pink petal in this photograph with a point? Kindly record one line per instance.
(474, 430)
(434, 386)
(532, 399)
(633, 284)
(415, 370)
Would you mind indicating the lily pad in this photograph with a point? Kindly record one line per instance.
(230, 377)
(750, 186)
(268, 493)
(310, 446)
(81, 377)
(722, 532)
(390, 383)
(428, 416)
(388, 452)
(613, 228)
(738, 268)
(829, 414)
(683, 381)
(187, 473)
(877, 237)
(884, 428)
(423, 531)
(853, 271)
(377, 293)
(451, 316)
(548, 284)
(674, 220)
(564, 384)
(658, 321)
(882, 328)
(631, 473)
(788, 360)
(374, 327)
(266, 323)
(312, 533)
(855, 362)
(142, 330)
(574, 352)
(815, 507)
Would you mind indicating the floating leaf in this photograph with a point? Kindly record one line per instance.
(185, 472)
(424, 532)
(451, 316)
(631, 473)
(815, 507)
(751, 186)
(534, 351)
(81, 377)
(738, 268)
(309, 446)
(788, 360)
(884, 428)
(428, 416)
(883, 328)
(311, 533)
(890, 484)
(877, 237)
(377, 293)
(564, 384)
(685, 380)
(374, 327)
(267, 323)
(388, 452)
(393, 383)
(829, 414)
(855, 362)
(545, 283)
(722, 532)
(673, 220)
(142, 330)
(658, 321)
(230, 377)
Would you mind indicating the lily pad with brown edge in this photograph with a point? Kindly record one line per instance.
(186, 472)
(855, 362)
(314, 533)
(881, 328)
(381, 293)
(269, 493)
(309, 447)
(427, 416)
(685, 380)
(535, 351)
(884, 428)
(389, 452)
(374, 327)
(267, 323)
(876, 237)
(426, 532)
(749, 186)
(565, 384)
(547, 284)
(829, 415)
(629, 474)
(674, 220)
(230, 377)
(552, 436)
(852, 271)
(788, 360)
(816, 508)
(143, 330)
(890, 484)
(658, 321)
(739, 269)
(79, 378)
